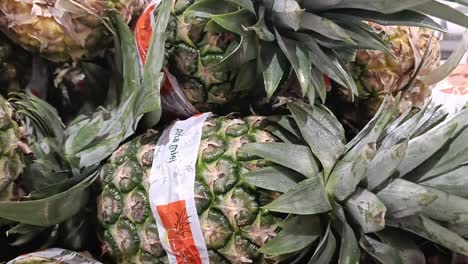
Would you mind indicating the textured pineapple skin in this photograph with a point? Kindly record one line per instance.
(378, 74)
(11, 155)
(233, 224)
(191, 51)
(80, 33)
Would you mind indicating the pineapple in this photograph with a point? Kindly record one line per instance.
(12, 150)
(382, 74)
(53, 186)
(268, 189)
(22, 126)
(233, 224)
(225, 50)
(61, 30)
(378, 74)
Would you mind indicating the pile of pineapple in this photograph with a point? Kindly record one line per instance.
(323, 145)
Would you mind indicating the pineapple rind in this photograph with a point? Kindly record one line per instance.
(232, 222)
(382, 74)
(11, 155)
(73, 34)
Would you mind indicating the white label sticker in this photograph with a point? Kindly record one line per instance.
(171, 193)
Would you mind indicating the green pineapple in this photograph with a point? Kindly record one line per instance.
(12, 150)
(231, 219)
(64, 159)
(268, 189)
(221, 51)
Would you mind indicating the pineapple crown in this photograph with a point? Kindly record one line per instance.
(313, 38)
(401, 171)
(66, 158)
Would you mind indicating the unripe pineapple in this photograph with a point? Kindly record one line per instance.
(326, 197)
(12, 150)
(60, 30)
(233, 224)
(223, 51)
(192, 50)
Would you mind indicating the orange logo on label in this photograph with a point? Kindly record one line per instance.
(143, 32)
(179, 233)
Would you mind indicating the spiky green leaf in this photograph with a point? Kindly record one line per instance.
(443, 11)
(327, 63)
(384, 164)
(326, 27)
(447, 208)
(149, 101)
(453, 182)
(287, 13)
(271, 64)
(131, 64)
(77, 141)
(299, 59)
(261, 28)
(306, 197)
(349, 249)
(419, 151)
(401, 241)
(403, 198)
(288, 123)
(325, 146)
(51, 210)
(207, 8)
(235, 21)
(246, 77)
(450, 157)
(247, 4)
(299, 158)
(403, 18)
(275, 178)
(376, 127)
(325, 249)
(298, 233)
(383, 6)
(366, 210)
(432, 231)
(381, 251)
(318, 85)
(349, 172)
